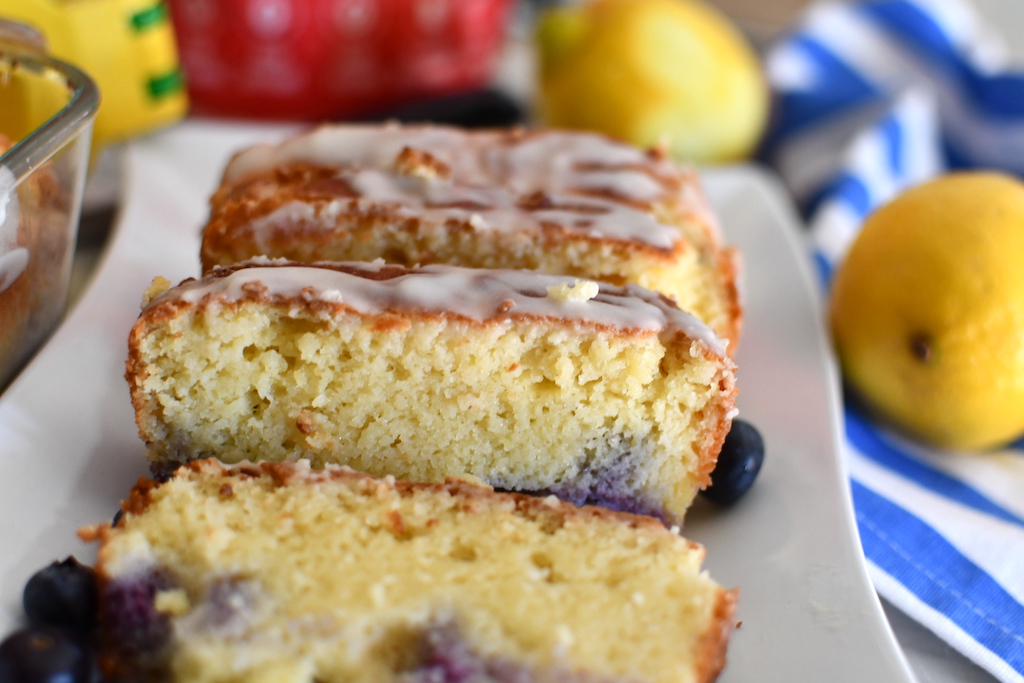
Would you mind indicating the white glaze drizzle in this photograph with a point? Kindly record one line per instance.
(477, 294)
(492, 170)
(495, 210)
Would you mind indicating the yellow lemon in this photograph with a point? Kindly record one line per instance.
(653, 71)
(927, 311)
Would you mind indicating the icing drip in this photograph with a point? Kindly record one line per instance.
(484, 208)
(480, 295)
(594, 185)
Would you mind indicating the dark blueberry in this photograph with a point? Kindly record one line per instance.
(63, 594)
(738, 464)
(118, 516)
(44, 654)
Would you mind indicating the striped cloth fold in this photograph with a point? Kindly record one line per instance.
(873, 97)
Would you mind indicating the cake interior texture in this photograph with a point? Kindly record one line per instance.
(286, 574)
(622, 419)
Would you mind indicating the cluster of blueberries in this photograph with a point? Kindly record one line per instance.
(59, 643)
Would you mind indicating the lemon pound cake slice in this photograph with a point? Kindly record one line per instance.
(278, 572)
(560, 202)
(531, 382)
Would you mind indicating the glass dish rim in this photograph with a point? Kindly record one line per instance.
(35, 149)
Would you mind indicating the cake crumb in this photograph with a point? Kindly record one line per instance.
(469, 479)
(394, 520)
(158, 287)
(421, 164)
(305, 422)
(580, 291)
(174, 602)
(320, 441)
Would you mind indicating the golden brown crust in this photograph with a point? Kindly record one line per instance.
(692, 204)
(227, 236)
(729, 268)
(472, 494)
(716, 433)
(711, 648)
(135, 374)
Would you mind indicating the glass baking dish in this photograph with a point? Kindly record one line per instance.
(47, 109)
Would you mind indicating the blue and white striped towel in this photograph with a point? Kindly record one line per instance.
(872, 97)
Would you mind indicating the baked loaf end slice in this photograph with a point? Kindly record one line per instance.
(276, 572)
(530, 382)
(557, 201)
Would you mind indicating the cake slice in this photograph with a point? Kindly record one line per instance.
(557, 201)
(530, 382)
(277, 572)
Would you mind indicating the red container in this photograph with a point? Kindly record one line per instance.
(333, 59)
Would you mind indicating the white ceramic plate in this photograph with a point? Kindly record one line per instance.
(69, 450)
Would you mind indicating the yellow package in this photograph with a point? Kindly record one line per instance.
(126, 46)
(29, 98)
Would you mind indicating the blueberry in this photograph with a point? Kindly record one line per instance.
(44, 654)
(132, 621)
(62, 594)
(738, 464)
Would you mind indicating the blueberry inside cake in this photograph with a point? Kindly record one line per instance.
(279, 572)
(530, 382)
(556, 201)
